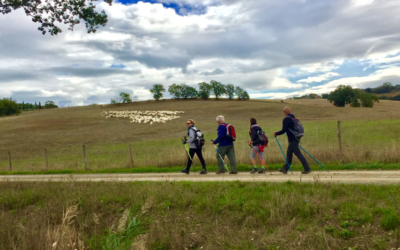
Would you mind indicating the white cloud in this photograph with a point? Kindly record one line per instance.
(319, 78)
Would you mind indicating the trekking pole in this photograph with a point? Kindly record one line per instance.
(221, 157)
(187, 149)
(283, 154)
(259, 158)
(314, 158)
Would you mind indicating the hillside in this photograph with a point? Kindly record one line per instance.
(63, 132)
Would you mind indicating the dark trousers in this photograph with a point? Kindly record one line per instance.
(197, 151)
(293, 148)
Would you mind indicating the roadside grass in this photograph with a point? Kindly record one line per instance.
(368, 135)
(196, 169)
(186, 215)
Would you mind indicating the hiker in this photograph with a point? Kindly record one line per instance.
(225, 146)
(293, 148)
(195, 147)
(257, 147)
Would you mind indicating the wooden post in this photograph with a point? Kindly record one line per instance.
(130, 151)
(47, 159)
(9, 159)
(339, 135)
(84, 154)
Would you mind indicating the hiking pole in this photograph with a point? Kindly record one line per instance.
(313, 158)
(221, 157)
(283, 154)
(261, 160)
(187, 149)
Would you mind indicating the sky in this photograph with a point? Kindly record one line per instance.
(271, 48)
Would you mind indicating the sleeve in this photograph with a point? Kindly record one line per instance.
(191, 135)
(220, 134)
(285, 125)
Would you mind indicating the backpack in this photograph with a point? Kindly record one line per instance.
(298, 129)
(199, 138)
(262, 138)
(230, 132)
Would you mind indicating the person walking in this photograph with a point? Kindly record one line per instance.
(293, 148)
(194, 148)
(225, 147)
(257, 147)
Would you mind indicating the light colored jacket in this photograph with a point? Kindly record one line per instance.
(192, 137)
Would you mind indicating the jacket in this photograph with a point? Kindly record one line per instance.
(192, 136)
(222, 138)
(287, 125)
(254, 135)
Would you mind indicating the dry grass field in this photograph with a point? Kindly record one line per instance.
(368, 135)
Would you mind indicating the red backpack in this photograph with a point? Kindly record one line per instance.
(230, 132)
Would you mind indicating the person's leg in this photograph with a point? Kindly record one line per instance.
(200, 155)
(289, 157)
(192, 151)
(300, 156)
(222, 153)
(232, 158)
(254, 161)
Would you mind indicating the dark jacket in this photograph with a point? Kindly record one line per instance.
(223, 139)
(254, 135)
(288, 125)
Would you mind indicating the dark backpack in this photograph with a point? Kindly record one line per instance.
(262, 137)
(230, 132)
(298, 129)
(199, 138)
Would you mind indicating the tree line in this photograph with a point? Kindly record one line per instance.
(8, 106)
(205, 90)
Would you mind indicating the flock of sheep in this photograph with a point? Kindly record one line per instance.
(144, 116)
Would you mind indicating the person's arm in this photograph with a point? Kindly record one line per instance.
(191, 135)
(285, 125)
(220, 134)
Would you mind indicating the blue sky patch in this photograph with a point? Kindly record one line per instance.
(180, 9)
(117, 66)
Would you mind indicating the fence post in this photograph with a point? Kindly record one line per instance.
(130, 151)
(9, 159)
(47, 159)
(339, 135)
(84, 154)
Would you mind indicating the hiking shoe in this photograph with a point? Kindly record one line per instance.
(306, 172)
(185, 171)
(282, 170)
(262, 171)
(203, 171)
(230, 172)
(219, 172)
(255, 170)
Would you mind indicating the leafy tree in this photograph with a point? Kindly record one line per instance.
(125, 97)
(245, 96)
(241, 94)
(8, 107)
(387, 87)
(189, 92)
(217, 88)
(325, 96)
(384, 97)
(50, 104)
(48, 13)
(40, 105)
(230, 90)
(204, 90)
(157, 91)
(176, 90)
(368, 90)
(396, 98)
(366, 99)
(342, 96)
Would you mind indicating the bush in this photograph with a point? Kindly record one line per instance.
(8, 107)
(50, 105)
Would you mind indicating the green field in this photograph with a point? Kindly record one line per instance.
(370, 137)
(184, 215)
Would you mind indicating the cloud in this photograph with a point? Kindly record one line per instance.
(211, 73)
(319, 78)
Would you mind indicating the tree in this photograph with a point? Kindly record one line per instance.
(396, 98)
(157, 91)
(217, 88)
(176, 90)
(368, 90)
(230, 90)
(125, 97)
(387, 87)
(189, 92)
(48, 13)
(50, 104)
(40, 105)
(367, 99)
(8, 107)
(342, 96)
(204, 90)
(325, 96)
(245, 96)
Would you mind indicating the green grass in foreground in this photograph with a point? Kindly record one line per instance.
(241, 167)
(186, 215)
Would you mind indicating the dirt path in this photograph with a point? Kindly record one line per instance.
(381, 177)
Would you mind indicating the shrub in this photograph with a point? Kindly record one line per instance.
(8, 107)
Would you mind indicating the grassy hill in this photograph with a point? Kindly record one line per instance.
(368, 135)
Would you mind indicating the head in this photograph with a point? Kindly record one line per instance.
(287, 110)
(190, 123)
(220, 119)
(253, 121)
